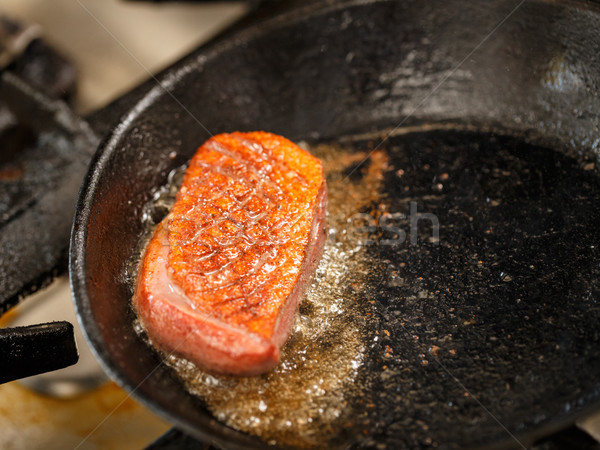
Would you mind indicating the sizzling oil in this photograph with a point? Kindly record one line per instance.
(402, 337)
(306, 401)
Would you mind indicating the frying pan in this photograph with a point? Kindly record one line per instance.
(503, 345)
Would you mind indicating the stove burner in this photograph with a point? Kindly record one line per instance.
(14, 40)
(44, 151)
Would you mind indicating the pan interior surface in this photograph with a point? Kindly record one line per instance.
(497, 309)
(459, 263)
(490, 325)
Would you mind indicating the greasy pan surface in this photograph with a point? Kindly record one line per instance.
(504, 310)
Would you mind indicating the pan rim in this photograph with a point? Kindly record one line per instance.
(215, 432)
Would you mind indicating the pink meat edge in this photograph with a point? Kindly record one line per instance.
(175, 327)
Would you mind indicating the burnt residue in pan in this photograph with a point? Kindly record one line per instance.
(498, 316)
(451, 254)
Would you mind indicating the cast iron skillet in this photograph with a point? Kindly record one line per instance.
(526, 342)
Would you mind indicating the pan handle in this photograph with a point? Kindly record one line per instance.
(35, 349)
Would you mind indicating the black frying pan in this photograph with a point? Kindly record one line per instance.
(496, 328)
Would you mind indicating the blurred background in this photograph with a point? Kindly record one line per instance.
(116, 44)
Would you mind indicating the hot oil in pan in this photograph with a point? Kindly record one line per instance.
(400, 320)
(304, 402)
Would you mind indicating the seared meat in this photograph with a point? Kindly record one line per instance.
(222, 276)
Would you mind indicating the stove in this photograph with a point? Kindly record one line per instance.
(81, 56)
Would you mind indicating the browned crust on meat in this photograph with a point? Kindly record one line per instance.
(196, 294)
